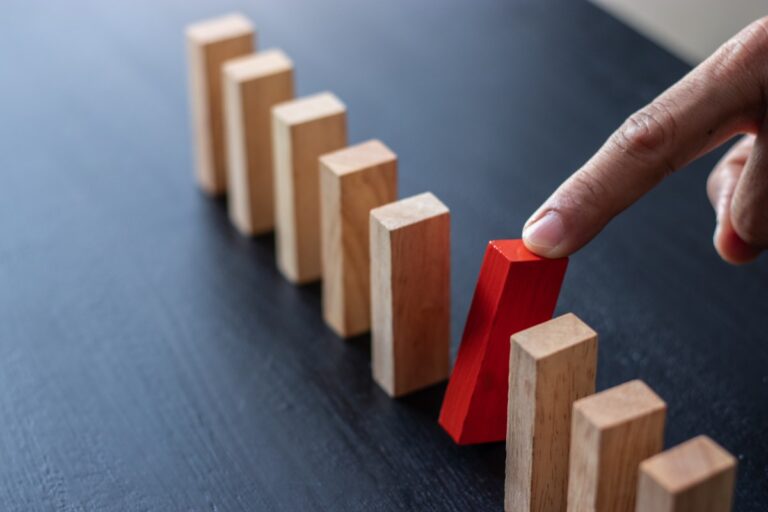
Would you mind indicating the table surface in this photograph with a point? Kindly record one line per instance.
(152, 359)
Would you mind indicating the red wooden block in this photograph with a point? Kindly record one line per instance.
(516, 290)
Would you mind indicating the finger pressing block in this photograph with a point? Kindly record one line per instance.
(210, 43)
(252, 86)
(353, 181)
(516, 290)
(696, 476)
(551, 365)
(410, 293)
(612, 433)
(302, 131)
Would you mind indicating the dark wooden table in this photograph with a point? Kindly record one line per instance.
(152, 359)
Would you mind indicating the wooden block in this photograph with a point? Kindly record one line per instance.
(516, 289)
(302, 131)
(612, 433)
(551, 366)
(210, 43)
(696, 476)
(410, 294)
(252, 86)
(353, 181)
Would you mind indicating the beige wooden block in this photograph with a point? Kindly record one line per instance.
(353, 181)
(210, 43)
(252, 86)
(612, 433)
(696, 476)
(410, 293)
(552, 365)
(302, 131)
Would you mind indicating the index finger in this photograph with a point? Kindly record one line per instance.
(723, 96)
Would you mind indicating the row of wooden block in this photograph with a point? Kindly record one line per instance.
(385, 266)
(285, 165)
(570, 449)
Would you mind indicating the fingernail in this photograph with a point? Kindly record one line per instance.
(545, 234)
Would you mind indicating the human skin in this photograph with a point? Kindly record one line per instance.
(725, 96)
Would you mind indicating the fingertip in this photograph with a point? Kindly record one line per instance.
(544, 252)
(545, 235)
(732, 248)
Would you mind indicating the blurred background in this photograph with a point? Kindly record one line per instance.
(691, 29)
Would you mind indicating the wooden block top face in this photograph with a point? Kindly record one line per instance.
(552, 336)
(258, 65)
(357, 158)
(620, 404)
(219, 29)
(688, 464)
(515, 250)
(308, 109)
(411, 210)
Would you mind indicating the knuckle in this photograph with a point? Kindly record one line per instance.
(740, 152)
(720, 186)
(757, 35)
(740, 53)
(713, 183)
(646, 133)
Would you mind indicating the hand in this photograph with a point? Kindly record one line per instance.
(726, 95)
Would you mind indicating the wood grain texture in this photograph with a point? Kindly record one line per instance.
(153, 360)
(252, 86)
(353, 181)
(302, 131)
(695, 476)
(515, 290)
(210, 43)
(612, 433)
(552, 365)
(410, 293)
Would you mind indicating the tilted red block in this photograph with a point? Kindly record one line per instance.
(516, 290)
